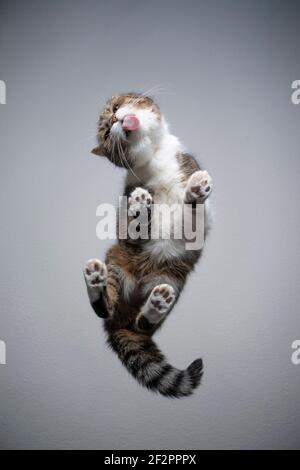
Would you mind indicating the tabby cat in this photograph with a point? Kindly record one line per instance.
(140, 281)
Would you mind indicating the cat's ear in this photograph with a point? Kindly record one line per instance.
(97, 150)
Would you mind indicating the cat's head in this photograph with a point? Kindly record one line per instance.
(129, 126)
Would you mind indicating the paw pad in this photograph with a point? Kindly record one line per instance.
(95, 273)
(139, 200)
(162, 297)
(199, 186)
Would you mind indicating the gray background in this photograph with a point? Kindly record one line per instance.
(225, 70)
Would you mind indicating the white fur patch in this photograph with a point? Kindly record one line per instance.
(161, 172)
(128, 284)
(153, 151)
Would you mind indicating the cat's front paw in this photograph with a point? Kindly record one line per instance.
(140, 199)
(199, 187)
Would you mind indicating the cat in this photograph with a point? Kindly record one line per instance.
(141, 280)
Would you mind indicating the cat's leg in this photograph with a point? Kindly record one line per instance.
(102, 286)
(199, 187)
(156, 307)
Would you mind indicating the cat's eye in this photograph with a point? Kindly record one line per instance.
(115, 108)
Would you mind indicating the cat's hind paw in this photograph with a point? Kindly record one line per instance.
(162, 297)
(158, 304)
(95, 275)
(199, 187)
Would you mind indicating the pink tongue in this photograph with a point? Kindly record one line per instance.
(130, 123)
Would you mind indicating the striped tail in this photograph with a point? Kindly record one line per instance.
(146, 363)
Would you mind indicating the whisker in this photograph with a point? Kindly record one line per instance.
(87, 138)
(127, 164)
(162, 88)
